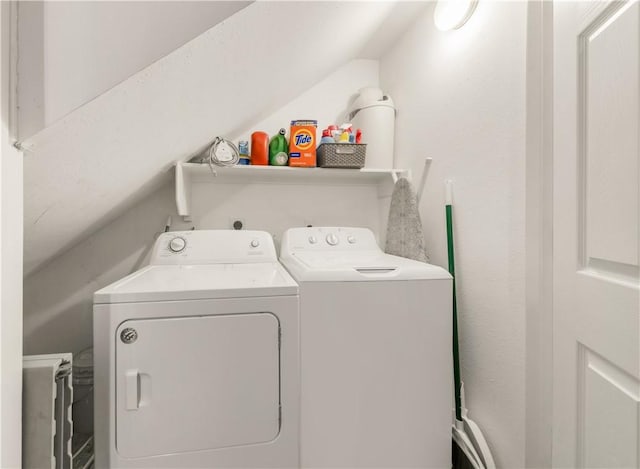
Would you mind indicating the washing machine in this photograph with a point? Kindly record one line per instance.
(197, 357)
(376, 360)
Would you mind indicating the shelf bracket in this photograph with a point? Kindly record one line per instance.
(400, 173)
(423, 179)
(183, 192)
(406, 173)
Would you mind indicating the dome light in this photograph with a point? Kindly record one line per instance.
(453, 14)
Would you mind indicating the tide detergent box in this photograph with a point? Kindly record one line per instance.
(302, 144)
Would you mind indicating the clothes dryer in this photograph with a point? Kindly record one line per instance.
(197, 357)
(376, 360)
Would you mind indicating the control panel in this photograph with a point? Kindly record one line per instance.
(214, 247)
(329, 239)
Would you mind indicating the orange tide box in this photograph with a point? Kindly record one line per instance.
(302, 144)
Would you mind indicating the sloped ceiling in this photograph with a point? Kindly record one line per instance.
(88, 167)
(71, 52)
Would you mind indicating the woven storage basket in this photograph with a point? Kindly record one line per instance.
(342, 155)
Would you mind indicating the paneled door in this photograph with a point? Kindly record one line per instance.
(596, 352)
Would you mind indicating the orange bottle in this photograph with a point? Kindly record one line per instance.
(259, 148)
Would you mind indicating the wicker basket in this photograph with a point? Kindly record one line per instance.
(342, 155)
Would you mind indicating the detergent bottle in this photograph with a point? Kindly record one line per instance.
(278, 146)
(260, 148)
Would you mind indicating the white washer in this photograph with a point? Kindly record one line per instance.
(197, 357)
(376, 364)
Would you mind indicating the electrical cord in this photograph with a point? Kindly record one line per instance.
(222, 152)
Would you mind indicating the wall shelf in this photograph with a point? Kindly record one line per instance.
(188, 173)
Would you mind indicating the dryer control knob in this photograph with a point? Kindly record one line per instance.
(351, 239)
(255, 243)
(177, 244)
(313, 240)
(332, 239)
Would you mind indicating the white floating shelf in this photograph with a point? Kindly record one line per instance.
(187, 173)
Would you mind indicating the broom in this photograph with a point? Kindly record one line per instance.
(469, 449)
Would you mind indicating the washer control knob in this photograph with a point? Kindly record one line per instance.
(177, 244)
(351, 239)
(332, 239)
(255, 243)
(313, 240)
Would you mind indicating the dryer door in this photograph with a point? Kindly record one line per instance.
(196, 383)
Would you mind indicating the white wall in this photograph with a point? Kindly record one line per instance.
(87, 168)
(10, 256)
(58, 307)
(58, 297)
(461, 100)
(72, 52)
(326, 101)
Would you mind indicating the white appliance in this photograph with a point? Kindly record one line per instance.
(197, 357)
(376, 360)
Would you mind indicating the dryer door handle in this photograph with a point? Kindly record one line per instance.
(132, 389)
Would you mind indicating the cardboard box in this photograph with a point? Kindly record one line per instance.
(302, 143)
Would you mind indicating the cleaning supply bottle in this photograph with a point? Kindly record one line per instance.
(243, 148)
(326, 137)
(335, 133)
(260, 148)
(278, 146)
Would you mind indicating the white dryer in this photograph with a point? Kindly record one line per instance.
(376, 360)
(197, 357)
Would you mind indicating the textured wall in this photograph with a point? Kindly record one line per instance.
(461, 100)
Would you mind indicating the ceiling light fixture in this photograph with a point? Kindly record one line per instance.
(453, 14)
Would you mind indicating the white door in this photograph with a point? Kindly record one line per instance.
(596, 244)
(196, 383)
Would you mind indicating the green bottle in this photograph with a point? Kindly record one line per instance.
(278, 147)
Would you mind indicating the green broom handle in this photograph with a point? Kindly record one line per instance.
(456, 352)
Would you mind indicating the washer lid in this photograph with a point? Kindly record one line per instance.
(194, 282)
(358, 266)
(329, 254)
